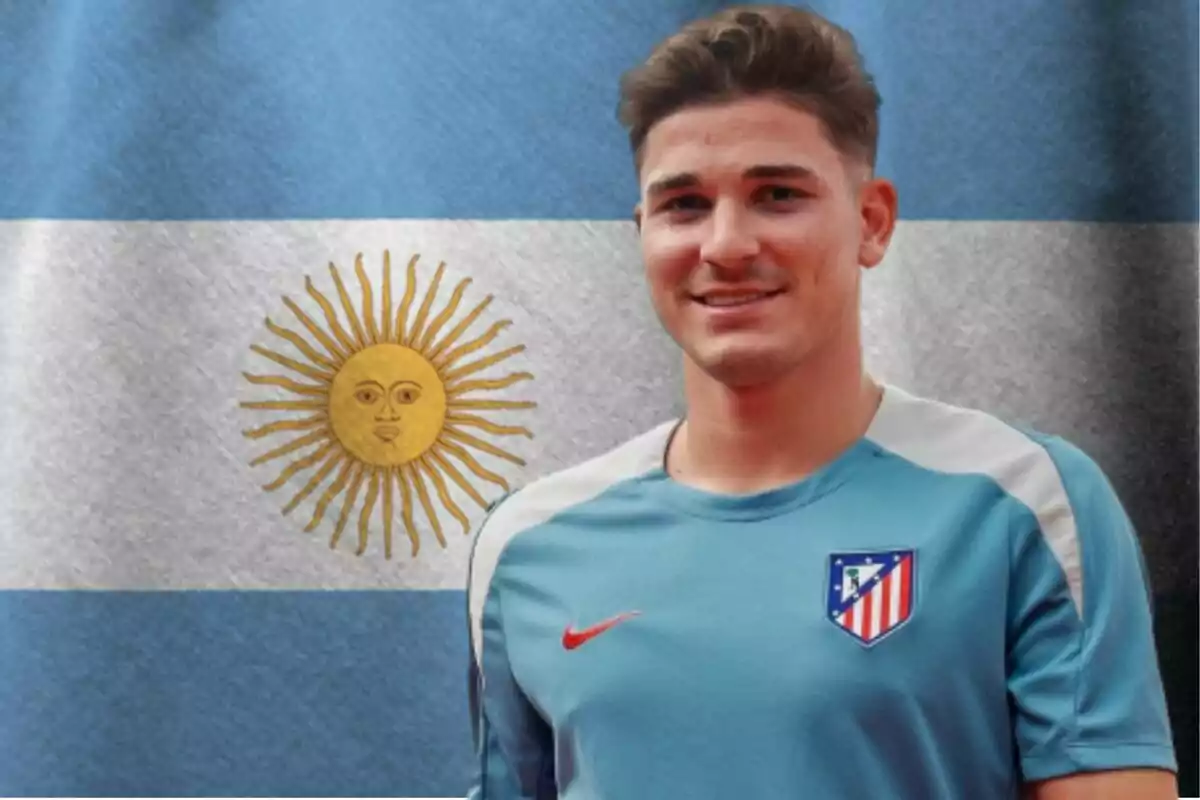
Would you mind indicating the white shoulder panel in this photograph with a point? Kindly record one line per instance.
(947, 438)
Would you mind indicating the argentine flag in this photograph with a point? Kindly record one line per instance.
(291, 291)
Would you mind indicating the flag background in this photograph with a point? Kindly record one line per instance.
(170, 171)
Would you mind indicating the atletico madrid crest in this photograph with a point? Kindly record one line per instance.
(871, 594)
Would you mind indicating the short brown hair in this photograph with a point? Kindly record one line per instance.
(790, 53)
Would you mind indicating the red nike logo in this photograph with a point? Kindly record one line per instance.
(574, 638)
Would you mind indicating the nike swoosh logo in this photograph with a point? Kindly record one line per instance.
(573, 638)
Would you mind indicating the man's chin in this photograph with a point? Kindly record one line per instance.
(742, 367)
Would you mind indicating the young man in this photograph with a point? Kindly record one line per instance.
(814, 585)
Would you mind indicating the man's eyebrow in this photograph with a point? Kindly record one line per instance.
(684, 180)
(681, 180)
(778, 171)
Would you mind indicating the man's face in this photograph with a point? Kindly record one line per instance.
(753, 230)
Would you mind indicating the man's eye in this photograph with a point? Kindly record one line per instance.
(687, 202)
(780, 194)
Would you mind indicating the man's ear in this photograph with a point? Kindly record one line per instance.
(879, 208)
(637, 216)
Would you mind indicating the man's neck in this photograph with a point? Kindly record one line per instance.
(740, 441)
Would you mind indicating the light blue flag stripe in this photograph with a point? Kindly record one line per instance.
(234, 694)
(455, 109)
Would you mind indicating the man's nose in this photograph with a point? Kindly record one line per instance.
(731, 243)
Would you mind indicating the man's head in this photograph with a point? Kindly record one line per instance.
(754, 133)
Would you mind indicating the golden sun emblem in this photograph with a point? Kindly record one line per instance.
(387, 404)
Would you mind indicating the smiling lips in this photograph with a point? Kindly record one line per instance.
(387, 433)
(725, 301)
(734, 300)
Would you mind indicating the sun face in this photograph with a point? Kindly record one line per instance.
(385, 406)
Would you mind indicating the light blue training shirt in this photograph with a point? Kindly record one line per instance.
(952, 606)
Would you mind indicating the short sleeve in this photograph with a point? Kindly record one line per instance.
(513, 744)
(1083, 673)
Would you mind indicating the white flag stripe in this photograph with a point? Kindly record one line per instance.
(126, 466)
(96, 495)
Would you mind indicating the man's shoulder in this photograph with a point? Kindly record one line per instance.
(957, 438)
(537, 502)
(1062, 487)
(1048, 473)
(583, 481)
(541, 499)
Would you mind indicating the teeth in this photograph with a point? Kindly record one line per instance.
(733, 301)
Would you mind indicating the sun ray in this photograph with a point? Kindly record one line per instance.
(479, 444)
(448, 503)
(315, 421)
(430, 512)
(423, 311)
(339, 357)
(315, 481)
(457, 389)
(285, 405)
(473, 421)
(410, 292)
(410, 525)
(449, 359)
(473, 465)
(304, 347)
(298, 465)
(331, 492)
(458, 330)
(331, 318)
(368, 301)
(319, 435)
(348, 504)
(457, 476)
(482, 364)
(491, 405)
(385, 302)
(364, 518)
(283, 361)
(348, 307)
(447, 313)
(387, 503)
(292, 386)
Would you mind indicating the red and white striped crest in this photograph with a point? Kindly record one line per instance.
(871, 594)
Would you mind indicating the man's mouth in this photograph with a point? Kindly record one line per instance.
(730, 300)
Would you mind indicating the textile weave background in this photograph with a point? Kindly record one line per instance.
(171, 171)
